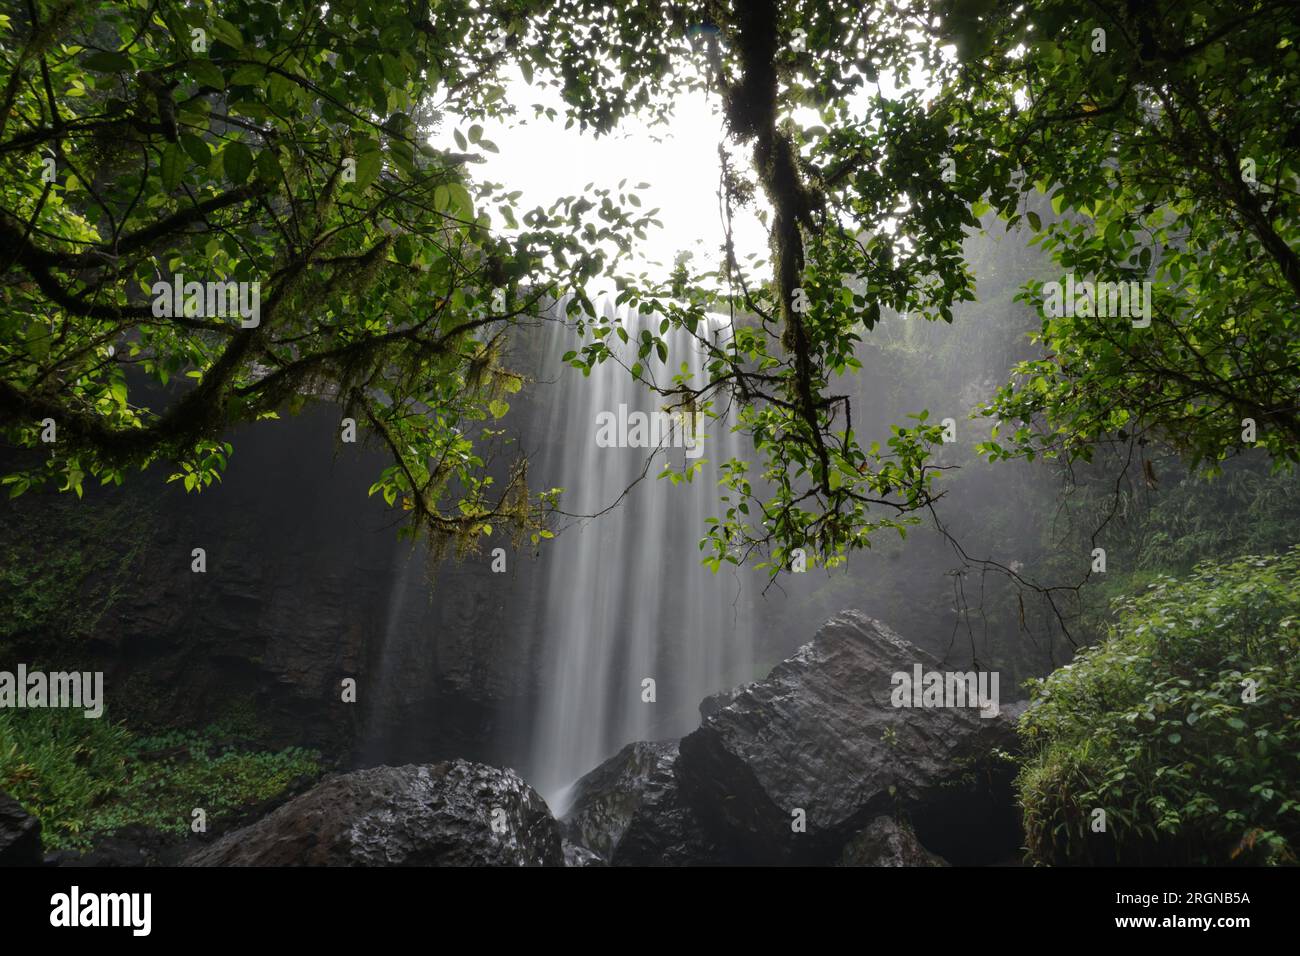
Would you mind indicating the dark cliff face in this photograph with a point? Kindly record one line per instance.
(307, 584)
(299, 594)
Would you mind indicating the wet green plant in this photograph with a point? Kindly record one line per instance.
(1181, 725)
(87, 778)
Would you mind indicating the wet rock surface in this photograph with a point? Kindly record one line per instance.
(630, 811)
(888, 842)
(306, 584)
(20, 834)
(448, 814)
(820, 734)
(813, 764)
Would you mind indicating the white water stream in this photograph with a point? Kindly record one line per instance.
(625, 597)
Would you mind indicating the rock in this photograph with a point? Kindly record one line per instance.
(715, 702)
(444, 814)
(820, 734)
(575, 855)
(20, 834)
(314, 586)
(134, 845)
(605, 800)
(630, 811)
(887, 842)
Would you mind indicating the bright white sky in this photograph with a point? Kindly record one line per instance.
(679, 161)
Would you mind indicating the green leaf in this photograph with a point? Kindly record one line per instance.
(498, 408)
(107, 62)
(268, 166)
(237, 161)
(248, 74)
(394, 72)
(173, 162)
(404, 250)
(368, 167)
(196, 148)
(206, 73)
(458, 202)
(227, 33)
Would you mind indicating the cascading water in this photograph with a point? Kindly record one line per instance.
(608, 604)
(406, 650)
(625, 598)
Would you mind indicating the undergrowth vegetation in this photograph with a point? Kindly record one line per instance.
(86, 778)
(1182, 726)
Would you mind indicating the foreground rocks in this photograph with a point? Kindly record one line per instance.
(448, 814)
(820, 735)
(812, 765)
(887, 842)
(629, 810)
(20, 834)
(817, 742)
(133, 845)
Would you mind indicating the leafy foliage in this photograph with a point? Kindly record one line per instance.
(861, 221)
(85, 778)
(251, 142)
(1169, 153)
(1165, 134)
(1142, 145)
(1154, 726)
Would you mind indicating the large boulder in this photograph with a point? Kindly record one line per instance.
(20, 834)
(630, 811)
(575, 855)
(888, 842)
(821, 735)
(448, 814)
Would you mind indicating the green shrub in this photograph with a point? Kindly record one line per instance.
(84, 778)
(1151, 726)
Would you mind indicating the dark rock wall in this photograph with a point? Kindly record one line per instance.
(298, 595)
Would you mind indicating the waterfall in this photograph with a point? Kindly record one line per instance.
(624, 598)
(607, 604)
(403, 650)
